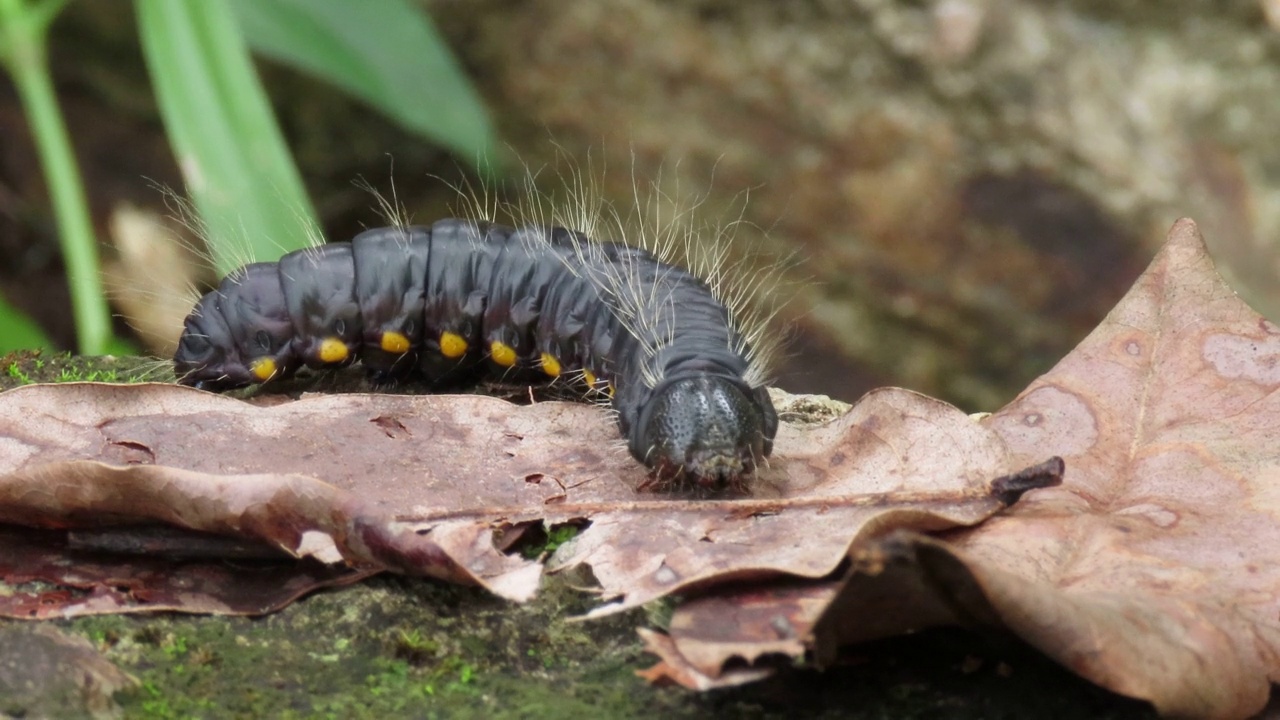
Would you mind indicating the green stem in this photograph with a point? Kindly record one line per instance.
(22, 49)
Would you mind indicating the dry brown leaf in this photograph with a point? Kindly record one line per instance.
(46, 579)
(419, 484)
(676, 669)
(298, 514)
(1153, 570)
(153, 280)
(897, 459)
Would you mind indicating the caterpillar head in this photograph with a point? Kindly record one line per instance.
(708, 428)
(239, 334)
(206, 356)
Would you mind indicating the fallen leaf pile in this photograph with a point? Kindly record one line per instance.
(1153, 569)
(420, 484)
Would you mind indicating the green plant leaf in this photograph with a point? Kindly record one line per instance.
(237, 168)
(23, 54)
(386, 52)
(19, 332)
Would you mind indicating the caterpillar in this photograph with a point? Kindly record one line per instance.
(467, 295)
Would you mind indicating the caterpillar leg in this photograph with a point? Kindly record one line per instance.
(666, 476)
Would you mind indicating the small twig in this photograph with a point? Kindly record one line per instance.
(171, 542)
(1010, 488)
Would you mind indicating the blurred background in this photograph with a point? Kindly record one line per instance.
(968, 186)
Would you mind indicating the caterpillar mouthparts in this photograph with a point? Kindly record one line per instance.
(707, 427)
(461, 295)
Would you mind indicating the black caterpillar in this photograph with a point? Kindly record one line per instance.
(464, 294)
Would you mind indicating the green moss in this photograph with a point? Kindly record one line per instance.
(391, 647)
(544, 542)
(400, 647)
(24, 367)
(15, 372)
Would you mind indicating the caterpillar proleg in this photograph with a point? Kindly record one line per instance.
(532, 298)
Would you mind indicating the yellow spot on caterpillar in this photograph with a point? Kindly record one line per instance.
(595, 384)
(263, 368)
(395, 343)
(332, 350)
(452, 345)
(550, 365)
(503, 354)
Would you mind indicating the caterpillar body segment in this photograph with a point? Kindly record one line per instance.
(532, 300)
(390, 284)
(320, 297)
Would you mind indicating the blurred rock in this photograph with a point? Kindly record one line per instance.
(45, 673)
(970, 185)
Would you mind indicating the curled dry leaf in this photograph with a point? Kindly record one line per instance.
(1153, 570)
(420, 484)
(895, 460)
(93, 583)
(883, 592)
